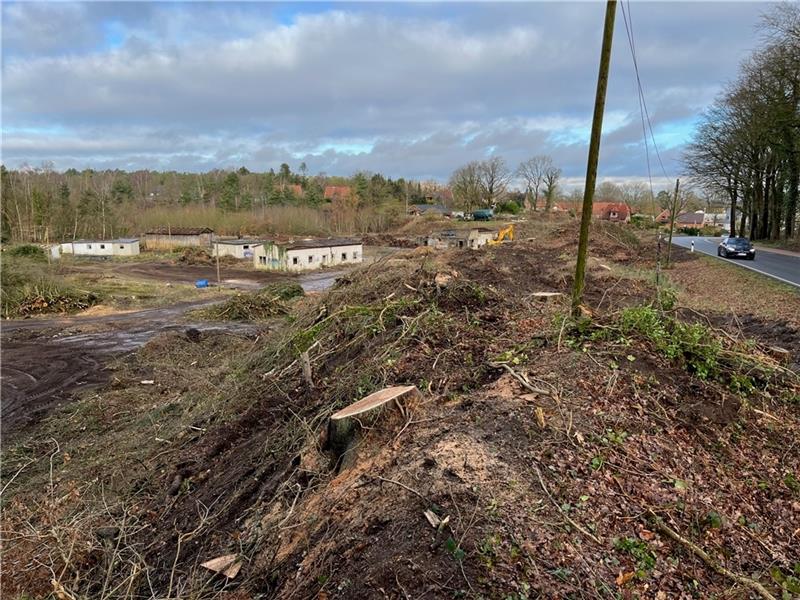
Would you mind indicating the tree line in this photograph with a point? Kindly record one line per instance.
(42, 204)
(485, 183)
(747, 144)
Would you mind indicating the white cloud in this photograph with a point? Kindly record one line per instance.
(403, 89)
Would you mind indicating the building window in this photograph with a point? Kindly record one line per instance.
(344, 255)
(355, 255)
(311, 258)
(294, 260)
(262, 260)
(246, 247)
(102, 246)
(89, 246)
(122, 246)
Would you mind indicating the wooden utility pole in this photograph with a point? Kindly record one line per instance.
(594, 153)
(672, 216)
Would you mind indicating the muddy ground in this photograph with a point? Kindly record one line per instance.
(47, 360)
(232, 276)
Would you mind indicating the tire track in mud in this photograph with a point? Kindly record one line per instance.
(41, 378)
(45, 362)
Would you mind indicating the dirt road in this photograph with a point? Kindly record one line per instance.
(231, 275)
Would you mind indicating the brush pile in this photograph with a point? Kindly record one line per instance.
(269, 302)
(30, 287)
(193, 255)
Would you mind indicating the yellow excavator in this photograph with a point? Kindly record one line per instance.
(506, 233)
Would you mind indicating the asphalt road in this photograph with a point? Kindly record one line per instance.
(783, 267)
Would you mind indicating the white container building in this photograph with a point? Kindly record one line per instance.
(118, 247)
(237, 248)
(305, 255)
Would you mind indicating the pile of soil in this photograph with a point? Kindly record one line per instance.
(546, 458)
(195, 256)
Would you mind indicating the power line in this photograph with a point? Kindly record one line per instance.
(632, 46)
(628, 18)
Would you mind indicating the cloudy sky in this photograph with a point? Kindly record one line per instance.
(406, 89)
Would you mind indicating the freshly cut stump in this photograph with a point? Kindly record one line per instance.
(344, 426)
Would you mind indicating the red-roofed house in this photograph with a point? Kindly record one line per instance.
(617, 212)
(690, 220)
(663, 216)
(336, 191)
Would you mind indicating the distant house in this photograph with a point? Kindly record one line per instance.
(238, 248)
(118, 247)
(429, 209)
(664, 216)
(690, 220)
(333, 192)
(616, 212)
(476, 237)
(442, 196)
(166, 238)
(304, 255)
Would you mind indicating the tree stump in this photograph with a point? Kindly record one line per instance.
(345, 426)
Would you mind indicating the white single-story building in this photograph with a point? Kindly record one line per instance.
(119, 247)
(476, 237)
(238, 248)
(304, 255)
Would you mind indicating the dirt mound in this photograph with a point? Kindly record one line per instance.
(547, 458)
(201, 256)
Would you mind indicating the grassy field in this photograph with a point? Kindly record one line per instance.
(33, 286)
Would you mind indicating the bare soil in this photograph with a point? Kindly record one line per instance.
(46, 361)
(554, 451)
(170, 272)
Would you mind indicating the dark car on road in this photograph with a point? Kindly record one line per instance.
(736, 247)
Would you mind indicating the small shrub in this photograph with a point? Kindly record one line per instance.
(640, 552)
(692, 343)
(28, 251)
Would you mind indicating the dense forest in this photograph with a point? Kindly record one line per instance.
(747, 145)
(42, 204)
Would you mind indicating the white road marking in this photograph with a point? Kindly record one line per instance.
(797, 285)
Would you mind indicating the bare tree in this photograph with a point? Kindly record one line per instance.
(747, 144)
(636, 194)
(551, 178)
(494, 177)
(465, 183)
(532, 171)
